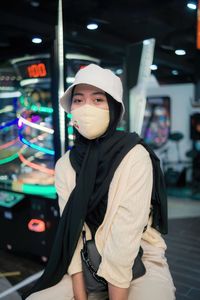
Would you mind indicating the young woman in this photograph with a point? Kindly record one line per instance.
(110, 186)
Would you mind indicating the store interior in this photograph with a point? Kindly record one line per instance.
(138, 41)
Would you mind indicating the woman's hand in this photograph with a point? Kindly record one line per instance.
(116, 293)
(79, 286)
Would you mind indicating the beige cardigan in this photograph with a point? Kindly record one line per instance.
(121, 233)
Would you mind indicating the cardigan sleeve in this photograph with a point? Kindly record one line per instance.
(125, 232)
(64, 183)
(64, 180)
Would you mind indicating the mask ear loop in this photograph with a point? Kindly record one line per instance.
(115, 109)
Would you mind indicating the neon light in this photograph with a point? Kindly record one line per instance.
(9, 124)
(120, 129)
(37, 126)
(44, 109)
(36, 225)
(70, 130)
(33, 107)
(7, 95)
(70, 79)
(37, 70)
(29, 81)
(31, 145)
(69, 116)
(7, 108)
(38, 189)
(35, 166)
(4, 146)
(82, 57)
(9, 159)
(28, 58)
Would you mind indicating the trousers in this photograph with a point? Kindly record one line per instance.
(156, 283)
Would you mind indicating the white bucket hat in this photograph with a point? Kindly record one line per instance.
(103, 79)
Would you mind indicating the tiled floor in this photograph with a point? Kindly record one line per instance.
(183, 242)
(183, 253)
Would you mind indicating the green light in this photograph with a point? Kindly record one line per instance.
(44, 109)
(9, 159)
(69, 116)
(35, 108)
(45, 190)
(120, 129)
(70, 130)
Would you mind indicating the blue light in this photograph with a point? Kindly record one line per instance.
(31, 145)
(9, 124)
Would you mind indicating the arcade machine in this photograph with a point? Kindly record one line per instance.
(156, 124)
(29, 210)
(28, 206)
(156, 130)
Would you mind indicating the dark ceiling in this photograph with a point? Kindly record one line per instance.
(121, 23)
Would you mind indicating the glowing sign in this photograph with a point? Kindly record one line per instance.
(36, 225)
(37, 70)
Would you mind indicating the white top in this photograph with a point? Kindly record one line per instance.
(120, 235)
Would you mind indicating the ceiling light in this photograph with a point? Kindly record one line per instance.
(36, 40)
(153, 67)
(35, 3)
(174, 72)
(146, 42)
(180, 52)
(92, 26)
(192, 5)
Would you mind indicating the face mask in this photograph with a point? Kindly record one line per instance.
(91, 122)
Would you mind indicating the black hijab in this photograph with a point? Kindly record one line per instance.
(95, 162)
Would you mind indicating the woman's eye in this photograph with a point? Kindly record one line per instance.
(99, 100)
(76, 101)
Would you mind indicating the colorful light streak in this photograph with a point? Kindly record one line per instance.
(31, 145)
(34, 125)
(23, 159)
(35, 166)
(7, 108)
(33, 107)
(8, 124)
(9, 159)
(39, 189)
(8, 144)
(44, 109)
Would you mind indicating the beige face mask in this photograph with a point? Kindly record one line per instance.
(90, 121)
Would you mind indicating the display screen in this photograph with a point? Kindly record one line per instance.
(37, 70)
(35, 67)
(156, 124)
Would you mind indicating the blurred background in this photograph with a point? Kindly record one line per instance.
(154, 47)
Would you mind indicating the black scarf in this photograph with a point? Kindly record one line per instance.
(95, 163)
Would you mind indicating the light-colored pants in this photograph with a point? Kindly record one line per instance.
(156, 284)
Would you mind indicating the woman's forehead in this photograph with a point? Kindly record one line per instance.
(82, 87)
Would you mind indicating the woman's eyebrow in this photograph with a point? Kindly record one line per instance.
(77, 94)
(95, 93)
(99, 93)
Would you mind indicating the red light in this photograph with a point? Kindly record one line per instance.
(37, 70)
(82, 67)
(36, 225)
